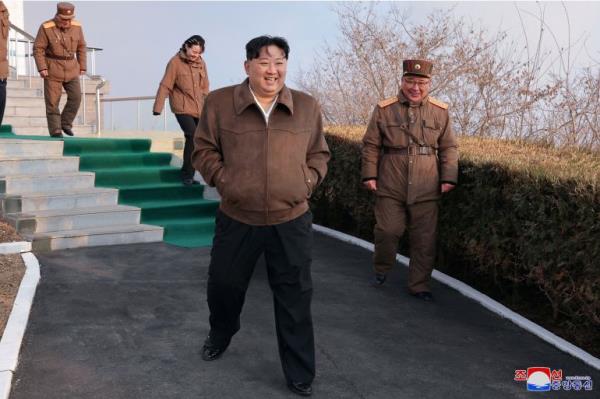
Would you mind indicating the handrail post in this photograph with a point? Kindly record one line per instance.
(93, 61)
(165, 116)
(98, 110)
(82, 79)
(29, 63)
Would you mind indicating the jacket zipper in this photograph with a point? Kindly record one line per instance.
(267, 174)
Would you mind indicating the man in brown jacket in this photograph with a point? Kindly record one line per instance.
(409, 159)
(4, 26)
(60, 55)
(262, 145)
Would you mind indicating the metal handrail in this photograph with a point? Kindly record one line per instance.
(21, 31)
(139, 99)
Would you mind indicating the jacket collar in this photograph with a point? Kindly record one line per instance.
(185, 59)
(403, 100)
(242, 98)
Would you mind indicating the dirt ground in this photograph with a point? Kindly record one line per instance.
(12, 269)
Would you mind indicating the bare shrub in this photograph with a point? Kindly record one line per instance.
(496, 86)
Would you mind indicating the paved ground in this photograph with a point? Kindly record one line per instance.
(127, 322)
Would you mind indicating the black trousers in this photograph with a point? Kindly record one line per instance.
(287, 249)
(188, 125)
(2, 98)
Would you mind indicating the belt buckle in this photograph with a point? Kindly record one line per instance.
(412, 150)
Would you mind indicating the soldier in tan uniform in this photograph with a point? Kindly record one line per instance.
(4, 25)
(60, 55)
(409, 159)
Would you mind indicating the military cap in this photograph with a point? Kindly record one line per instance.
(65, 10)
(417, 67)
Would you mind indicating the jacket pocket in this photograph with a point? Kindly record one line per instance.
(308, 180)
(431, 132)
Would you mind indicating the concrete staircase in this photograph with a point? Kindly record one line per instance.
(51, 203)
(26, 110)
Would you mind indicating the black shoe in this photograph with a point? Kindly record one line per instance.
(188, 182)
(300, 388)
(424, 295)
(68, 131)
(378, 279)
(211, 351)
(56, 134)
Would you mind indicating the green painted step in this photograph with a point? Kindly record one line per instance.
(6, 129)
(122, 177)
(132, 194)
(107, 160)
(169, 210)
(188, 232)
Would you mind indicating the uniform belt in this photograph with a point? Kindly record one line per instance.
(412, 150)
(59, 57)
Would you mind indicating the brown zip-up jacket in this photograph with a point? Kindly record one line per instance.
(4, 26)
(61, 52)
(265, 173)
(410, 178)
(185, 83)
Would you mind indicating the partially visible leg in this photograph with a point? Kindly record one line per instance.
(236, 248)
(422, 231)
(288, 257)
(52, 92)
(188, 125)
(2, 98)
(69, 112)
(390, 218)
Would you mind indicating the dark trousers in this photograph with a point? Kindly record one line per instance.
(188, 125)
(2, 98)
(287, 249)
(58, 120)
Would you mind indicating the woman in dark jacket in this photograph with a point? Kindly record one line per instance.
(186, 84)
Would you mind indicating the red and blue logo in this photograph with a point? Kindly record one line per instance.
(538, 379)
(543, 379)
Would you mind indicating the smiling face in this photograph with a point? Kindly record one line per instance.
(415, 88)
(193, 52)
(267, 72)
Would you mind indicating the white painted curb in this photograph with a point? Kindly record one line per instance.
(14, 247)
(10, 344)
(482, 299)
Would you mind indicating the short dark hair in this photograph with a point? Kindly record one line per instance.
(253, 46)
(193, 41)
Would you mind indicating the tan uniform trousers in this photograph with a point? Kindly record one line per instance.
(52, 93)
(392, 218)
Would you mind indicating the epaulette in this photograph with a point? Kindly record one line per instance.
(49, 24)
(438, 103)
(387, 101)
(75, 23)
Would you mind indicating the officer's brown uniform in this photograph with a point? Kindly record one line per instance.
(4, 26)
(61, 52)
(410, 150)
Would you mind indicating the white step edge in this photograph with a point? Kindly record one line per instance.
(12, 338)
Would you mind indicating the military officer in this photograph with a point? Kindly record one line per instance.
(60, 55)
(409, 159)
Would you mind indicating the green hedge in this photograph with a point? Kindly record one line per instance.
(523, 226)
